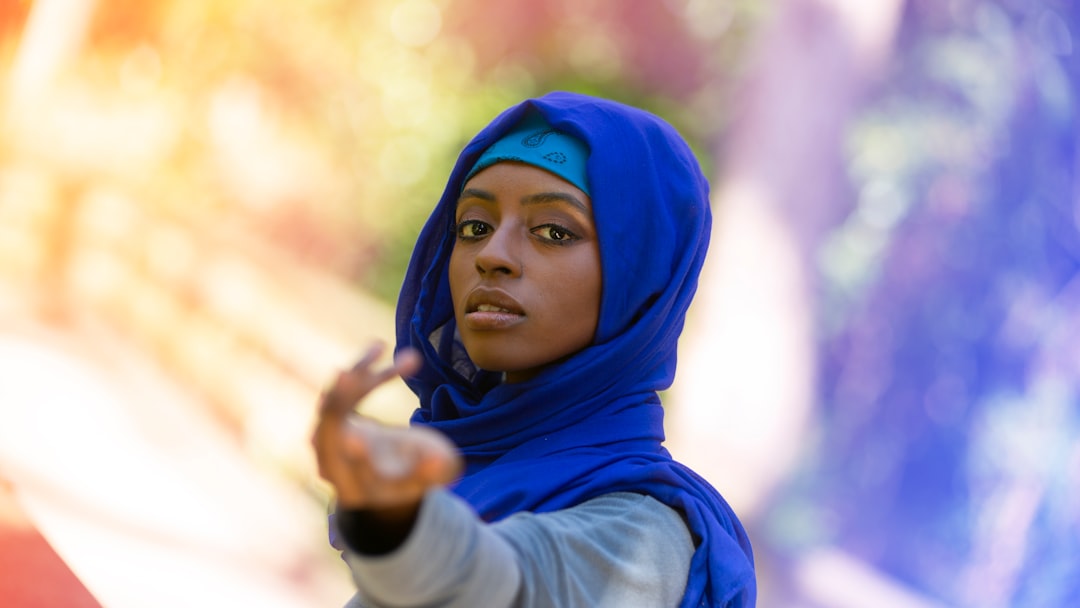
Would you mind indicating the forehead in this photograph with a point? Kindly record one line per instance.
(525, 182)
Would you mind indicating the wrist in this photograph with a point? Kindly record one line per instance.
(377, 531)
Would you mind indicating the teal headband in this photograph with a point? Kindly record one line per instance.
(535, 142)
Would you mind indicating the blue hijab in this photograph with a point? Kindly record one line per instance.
(592, 424)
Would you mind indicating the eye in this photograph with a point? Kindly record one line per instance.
(554, 233)
(472, 229)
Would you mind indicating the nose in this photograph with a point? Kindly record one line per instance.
(499, 253)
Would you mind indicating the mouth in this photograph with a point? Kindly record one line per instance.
(485, 299)
(489, 309)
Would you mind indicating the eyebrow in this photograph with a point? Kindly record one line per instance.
(533, 199)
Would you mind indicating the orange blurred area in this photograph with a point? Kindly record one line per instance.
(136, 485)
(27, 558)
(206, 208)
(171, 296)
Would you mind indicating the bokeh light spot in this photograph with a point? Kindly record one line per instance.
(141, 70)
(415, 22)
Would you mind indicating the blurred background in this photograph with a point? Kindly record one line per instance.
(206, 208)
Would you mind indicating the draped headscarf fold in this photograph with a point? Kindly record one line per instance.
(592, 424)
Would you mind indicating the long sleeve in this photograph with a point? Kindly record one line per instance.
(449, 560)
(616, 550)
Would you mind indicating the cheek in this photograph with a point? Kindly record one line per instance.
(455, 275)
(592, 302)
(588, 300)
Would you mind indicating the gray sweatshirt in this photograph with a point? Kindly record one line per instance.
(620, 550)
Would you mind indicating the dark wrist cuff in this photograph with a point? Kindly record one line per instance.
(366, 533)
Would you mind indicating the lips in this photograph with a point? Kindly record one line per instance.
(492, 309)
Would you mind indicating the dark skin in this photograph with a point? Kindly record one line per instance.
(382, 470)
(525, 279)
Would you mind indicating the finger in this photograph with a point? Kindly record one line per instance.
(408, 361)
(373, 353)
(367, 463)
(336, 407)
(328, 441)
(388, 467)
(380, 468)
(389, 453)
(342, 453)
(439, 461)
(399, 454)
(328, 435)
(350, 387)
(357, 482)
(353, 385)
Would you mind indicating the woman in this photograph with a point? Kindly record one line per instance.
(538, 320)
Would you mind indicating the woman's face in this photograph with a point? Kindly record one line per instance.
(525, 269)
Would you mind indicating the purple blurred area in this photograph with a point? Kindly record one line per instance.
(206, 207)
(947, 447)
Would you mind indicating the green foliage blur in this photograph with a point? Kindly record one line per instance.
(328, 127)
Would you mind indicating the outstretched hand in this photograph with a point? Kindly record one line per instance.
(382, 469)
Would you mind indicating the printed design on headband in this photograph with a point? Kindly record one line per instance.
(555, 157)
(537, 139)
